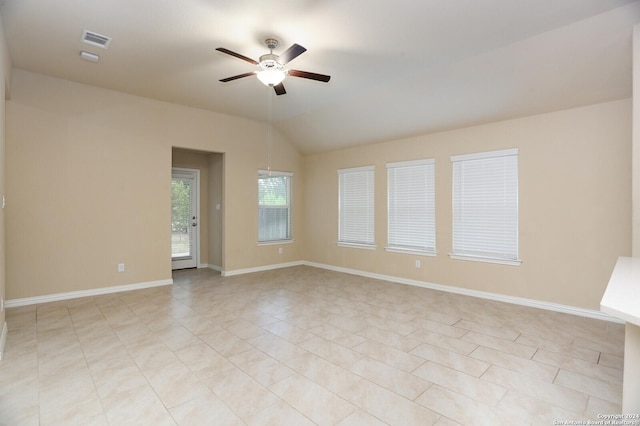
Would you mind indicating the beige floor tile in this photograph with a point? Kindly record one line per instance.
(215, 347)
(388, 406)
(393, 357)
(203, 361)
(444, 421)
(288, 332)
(438, 327)
(243, 329)
(553, 394)
(175, 386)
(312, 400)
(389, 338)
(19, 404)
(400, 328)
(596, 371)
(442, 341)
(563, 348)
(404, 384)
(279, 414)
(464, 384)
(598, 406)
(240, 392)
(463, 363)
(277, 347)
(176, 337)
(501, 333)
(323, 372)
(462, 409)
(264, 369)
(204, 410)
(538, 412)
(136, 407)
(498, 344)
(225, 342)
(337, 335)
(332, 352)
(361, 418)
(610, 360)
(116, 375)
(531, 368)
(607, 391)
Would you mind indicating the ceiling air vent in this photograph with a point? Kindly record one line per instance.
(96, 39)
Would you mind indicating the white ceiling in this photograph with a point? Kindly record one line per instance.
(398, 68)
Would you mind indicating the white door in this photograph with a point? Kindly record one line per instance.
(184, 218)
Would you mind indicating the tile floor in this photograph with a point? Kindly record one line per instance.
(303, 346)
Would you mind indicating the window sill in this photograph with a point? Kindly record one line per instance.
(517, 262)
(275, 242)
(412, 252)
(358, 246)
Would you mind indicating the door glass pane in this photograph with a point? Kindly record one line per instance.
(181, 216)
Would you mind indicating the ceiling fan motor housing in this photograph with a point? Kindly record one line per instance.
(270, 62)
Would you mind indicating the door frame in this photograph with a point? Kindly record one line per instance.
(196, 183)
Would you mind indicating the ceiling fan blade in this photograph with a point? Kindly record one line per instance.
(235, 77)
(291, 53)
(279, 88)
(237, 55)
(310, 75)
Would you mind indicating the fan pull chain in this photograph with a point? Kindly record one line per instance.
(270, 130)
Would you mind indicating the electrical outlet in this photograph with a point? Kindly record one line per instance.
(120, 267)
(418, 264)
(279, 250)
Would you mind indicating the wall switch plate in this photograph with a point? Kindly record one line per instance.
(120, 267)
(418, 264)
(279, 250)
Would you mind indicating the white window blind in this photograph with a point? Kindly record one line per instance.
(411, 206)
(274, 206)
(485, 206)
(356, 206)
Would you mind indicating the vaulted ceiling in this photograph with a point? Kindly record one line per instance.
(398, 68)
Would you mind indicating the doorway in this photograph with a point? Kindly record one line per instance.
(185, 184)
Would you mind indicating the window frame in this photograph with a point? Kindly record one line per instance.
(421, 207)
(501, 247)
(262, 174)
(368, 222)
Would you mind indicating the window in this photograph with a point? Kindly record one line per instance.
(274, 206)
(485, 206)
(411, 206)
(355, 207)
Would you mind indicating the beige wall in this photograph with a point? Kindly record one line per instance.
(216, 195)
(574, 208)
(636, 141)
(89, 184)
(5, 81)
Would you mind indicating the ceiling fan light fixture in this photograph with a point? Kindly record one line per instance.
(271, 77)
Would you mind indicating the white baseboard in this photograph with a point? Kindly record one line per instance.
(549, 306)
(532, 303)
(3, 339)
(262, 268)
(84, 293)
(215, 267)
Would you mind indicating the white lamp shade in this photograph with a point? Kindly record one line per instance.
(271, 77)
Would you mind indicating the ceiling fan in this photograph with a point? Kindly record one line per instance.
(272, 71)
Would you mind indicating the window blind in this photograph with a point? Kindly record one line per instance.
(411, 206)
(485, 205)
(274, 206)
(356, 206)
